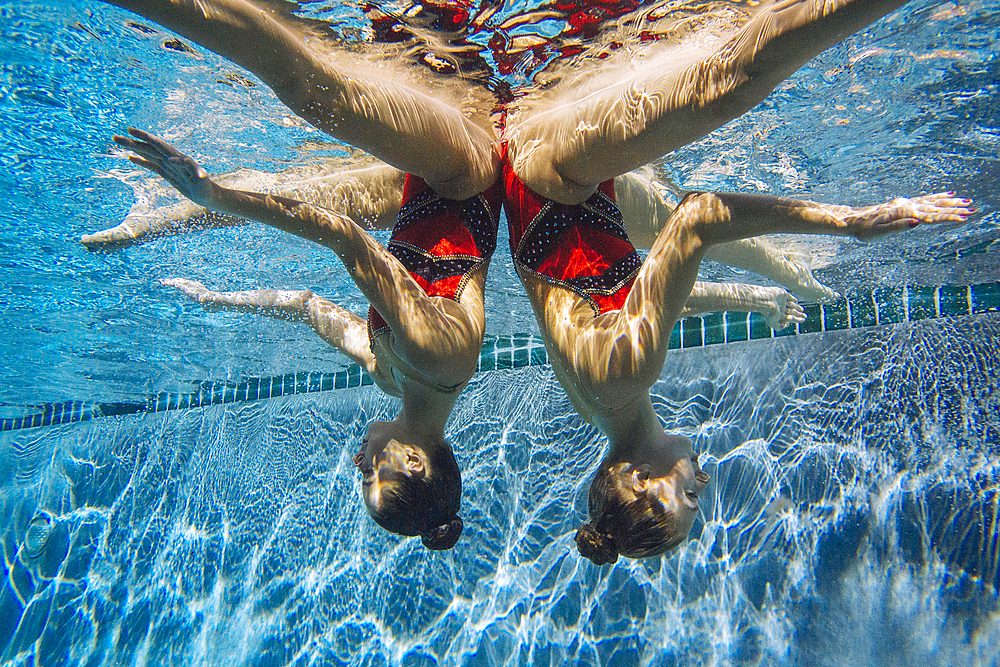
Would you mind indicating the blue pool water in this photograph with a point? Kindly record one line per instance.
(853, 513)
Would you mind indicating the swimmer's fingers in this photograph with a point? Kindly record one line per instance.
(151, 149)
(154, 141)
(148, 145)
(181, 172)
(938, 207)
(154, 167)
(901, 214)
(159, 157)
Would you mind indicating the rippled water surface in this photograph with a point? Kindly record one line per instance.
(852, 517)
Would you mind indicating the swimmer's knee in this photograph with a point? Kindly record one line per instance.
(699, 211)
(699, 198)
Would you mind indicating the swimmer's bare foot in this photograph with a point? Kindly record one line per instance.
(153, 153)
(903, 213)
(800, 279)
(293, 305)
(140, 227)
(121, 236)
(779, 308)
(195, 291)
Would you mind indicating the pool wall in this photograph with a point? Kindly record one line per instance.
(851, 518)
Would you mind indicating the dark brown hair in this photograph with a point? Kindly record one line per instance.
(623, 522)
(426, 506)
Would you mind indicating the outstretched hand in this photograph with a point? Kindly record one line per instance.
(153, 153)
(902, 213)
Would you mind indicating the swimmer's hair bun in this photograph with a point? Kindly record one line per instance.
(597, 546)
(444, 536)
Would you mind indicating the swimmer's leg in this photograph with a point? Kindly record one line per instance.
(645, 204)
(564, 150)
(142, 225)
(621, 353)
(440, 338)
(339, 327)
(791, 269)
(775, 305)
(385, 118)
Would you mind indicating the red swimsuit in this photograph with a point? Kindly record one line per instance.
(441, 242)
(581, 247)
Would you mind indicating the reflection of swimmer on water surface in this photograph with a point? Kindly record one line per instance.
(606, 319)
(563, 142)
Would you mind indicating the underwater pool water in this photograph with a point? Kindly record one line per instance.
(852, 516)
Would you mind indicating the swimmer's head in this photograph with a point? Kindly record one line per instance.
(638, 511)
(412, 489)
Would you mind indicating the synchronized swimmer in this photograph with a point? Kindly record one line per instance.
(565, 174)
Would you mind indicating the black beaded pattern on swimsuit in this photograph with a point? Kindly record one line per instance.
(433, 268)
(547, 229)
(474, 212)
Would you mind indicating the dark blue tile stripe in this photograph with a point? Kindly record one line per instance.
(883, 306)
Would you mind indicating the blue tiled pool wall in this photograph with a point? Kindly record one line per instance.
(853, 494)
(881, 307)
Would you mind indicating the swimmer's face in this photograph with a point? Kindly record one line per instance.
(677, 490)
(383, 458)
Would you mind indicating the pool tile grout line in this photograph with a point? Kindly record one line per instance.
(881, 307)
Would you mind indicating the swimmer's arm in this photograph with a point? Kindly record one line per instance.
(340, 328)
(440, 338)
(323, 226)
(616, 359)
(720, 217)
(401, 126)
(775, 305)
(563, 152)
(370, 196)
(645, 210)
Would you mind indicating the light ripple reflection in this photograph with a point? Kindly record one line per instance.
(853, 494)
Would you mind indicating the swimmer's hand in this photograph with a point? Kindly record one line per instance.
(901, 214)
(182, 172)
